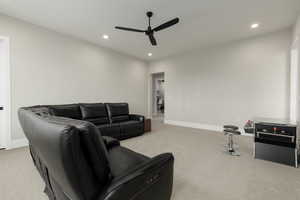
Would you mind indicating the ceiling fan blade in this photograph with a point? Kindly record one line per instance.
(129, 29)
(167, 24)
(152, 40)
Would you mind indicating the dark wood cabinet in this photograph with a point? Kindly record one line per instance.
(147, 125)
(276, 142)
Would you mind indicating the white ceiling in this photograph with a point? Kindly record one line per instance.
(203, 22)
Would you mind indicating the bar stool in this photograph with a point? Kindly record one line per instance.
(230, 131)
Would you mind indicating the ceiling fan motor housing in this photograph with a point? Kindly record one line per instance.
(149, 14)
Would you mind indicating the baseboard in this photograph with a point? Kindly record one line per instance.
(201, 126)
(18, 143)
(194, 125)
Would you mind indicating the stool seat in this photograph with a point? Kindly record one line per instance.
(232, 127)
(235, 132)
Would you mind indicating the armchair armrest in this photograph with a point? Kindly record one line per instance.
(137, 117)
(150, 180)
(110, 142)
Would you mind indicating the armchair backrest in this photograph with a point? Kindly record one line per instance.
(71, 152)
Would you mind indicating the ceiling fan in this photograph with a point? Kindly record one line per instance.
(150, 32)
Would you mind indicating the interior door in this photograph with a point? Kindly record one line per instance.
(2, 131)
(1, 96)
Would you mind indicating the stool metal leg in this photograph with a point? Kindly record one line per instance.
(230, 131)
(231, 147)
(234, 151)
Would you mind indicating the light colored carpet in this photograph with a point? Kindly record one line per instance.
(202, 169)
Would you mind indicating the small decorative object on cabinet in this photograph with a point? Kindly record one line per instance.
(249, 127)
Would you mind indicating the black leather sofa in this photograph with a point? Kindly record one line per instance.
(77, 163)
(112, 119)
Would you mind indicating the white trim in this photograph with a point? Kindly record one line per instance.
(18, 143)
(295, 42)
(194, 125)
(7, 103)
(209, 127)
(150, 92)
(294, 84)
(149, 106)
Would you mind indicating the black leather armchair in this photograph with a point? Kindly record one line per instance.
(77, 163)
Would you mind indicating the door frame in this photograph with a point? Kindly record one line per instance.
(6, 137)
(294, 81)
(150, 92)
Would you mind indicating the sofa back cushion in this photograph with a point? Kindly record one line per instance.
(68, 110)
(118, 112)
(71, 151)
(94, 112)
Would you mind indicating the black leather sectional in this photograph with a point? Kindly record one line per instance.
(77, 163)
(112, 119)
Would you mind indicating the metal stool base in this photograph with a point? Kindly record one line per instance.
(233, 153)
(231, 147)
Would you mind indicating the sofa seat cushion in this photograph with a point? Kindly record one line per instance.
(68, 110)
(98, 121)
(93, 110)
(112, 130)
(120, 118)
(122, 160)
(130, 123)
(131, 128)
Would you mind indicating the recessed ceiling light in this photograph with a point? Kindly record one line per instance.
(254, 25)
(149, 54)
(106, 37)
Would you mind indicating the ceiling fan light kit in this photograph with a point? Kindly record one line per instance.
(150, 32)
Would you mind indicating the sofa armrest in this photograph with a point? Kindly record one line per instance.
(137, 117)
(150, 180)
(110, 142)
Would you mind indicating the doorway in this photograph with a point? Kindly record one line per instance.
(4, 93)
(158, 96)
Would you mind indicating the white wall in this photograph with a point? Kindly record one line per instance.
(228, 84)
(297, 29)
(296, 48)
(50, 68)
(297, 39)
